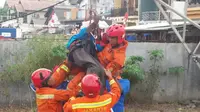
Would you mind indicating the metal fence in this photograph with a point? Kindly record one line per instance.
(153, 16)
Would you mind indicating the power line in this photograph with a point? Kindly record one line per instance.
(34, 11)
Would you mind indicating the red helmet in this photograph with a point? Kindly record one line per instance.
(90, 85)
(39, 76)
(116, 30)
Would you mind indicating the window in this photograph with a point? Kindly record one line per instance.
(36, 16)
(25, 19)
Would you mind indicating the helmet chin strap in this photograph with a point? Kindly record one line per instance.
(115, 46)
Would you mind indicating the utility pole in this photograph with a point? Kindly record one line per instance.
(90, 4)
(127, 6)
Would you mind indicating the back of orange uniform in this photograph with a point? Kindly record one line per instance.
(49, 99)
(113, 59)
(102, 103)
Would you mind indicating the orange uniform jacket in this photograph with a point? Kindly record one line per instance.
(49, 99)
(62, 73)
(73, 84)
(98, 104)
(113, 59)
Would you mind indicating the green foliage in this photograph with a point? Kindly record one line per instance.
(134, 60)
(59, 51)
(151, 81)
(43, 52)
(146, 89)
(176, 70)
(132, 69)
(155, 56)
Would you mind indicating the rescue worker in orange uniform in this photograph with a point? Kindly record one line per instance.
(113, 56)
(48, 99)
(92, 101)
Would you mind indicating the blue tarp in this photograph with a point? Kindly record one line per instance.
(130, 38)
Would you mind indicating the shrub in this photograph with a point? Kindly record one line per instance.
(132, 69)
(43, 52)
(176, 70)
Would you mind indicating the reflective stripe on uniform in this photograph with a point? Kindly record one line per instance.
(68, 89)
(72, 98)
(46, 96)
(79, 84)
(58, 70)
(64, 67)
(112, 82)
(92, 105)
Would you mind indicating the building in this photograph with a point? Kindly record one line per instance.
(153, 27)
(148, 11)
(123, 6)
(19, 8)
(105, 6)
(120, 8)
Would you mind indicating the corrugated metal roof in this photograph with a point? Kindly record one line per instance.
(29, 5)
(32, 5)
(19, 8)
(12, 3)
(155, 26)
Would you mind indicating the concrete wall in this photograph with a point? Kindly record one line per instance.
(19, 94)
(8, 51)
(171, 87)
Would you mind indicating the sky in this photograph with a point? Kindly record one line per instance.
(2, 3)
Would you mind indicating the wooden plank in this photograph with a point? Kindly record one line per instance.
(194, 17)
(193, 9)
(193, 13)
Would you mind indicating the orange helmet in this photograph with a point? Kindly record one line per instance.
(116, 30)
(40, 77)
(91, 85)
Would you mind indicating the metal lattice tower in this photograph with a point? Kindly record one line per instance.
(192, 53)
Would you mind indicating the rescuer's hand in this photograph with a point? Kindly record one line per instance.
(108, 74)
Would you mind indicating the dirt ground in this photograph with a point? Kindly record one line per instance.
(160, 108)
(129, 108)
